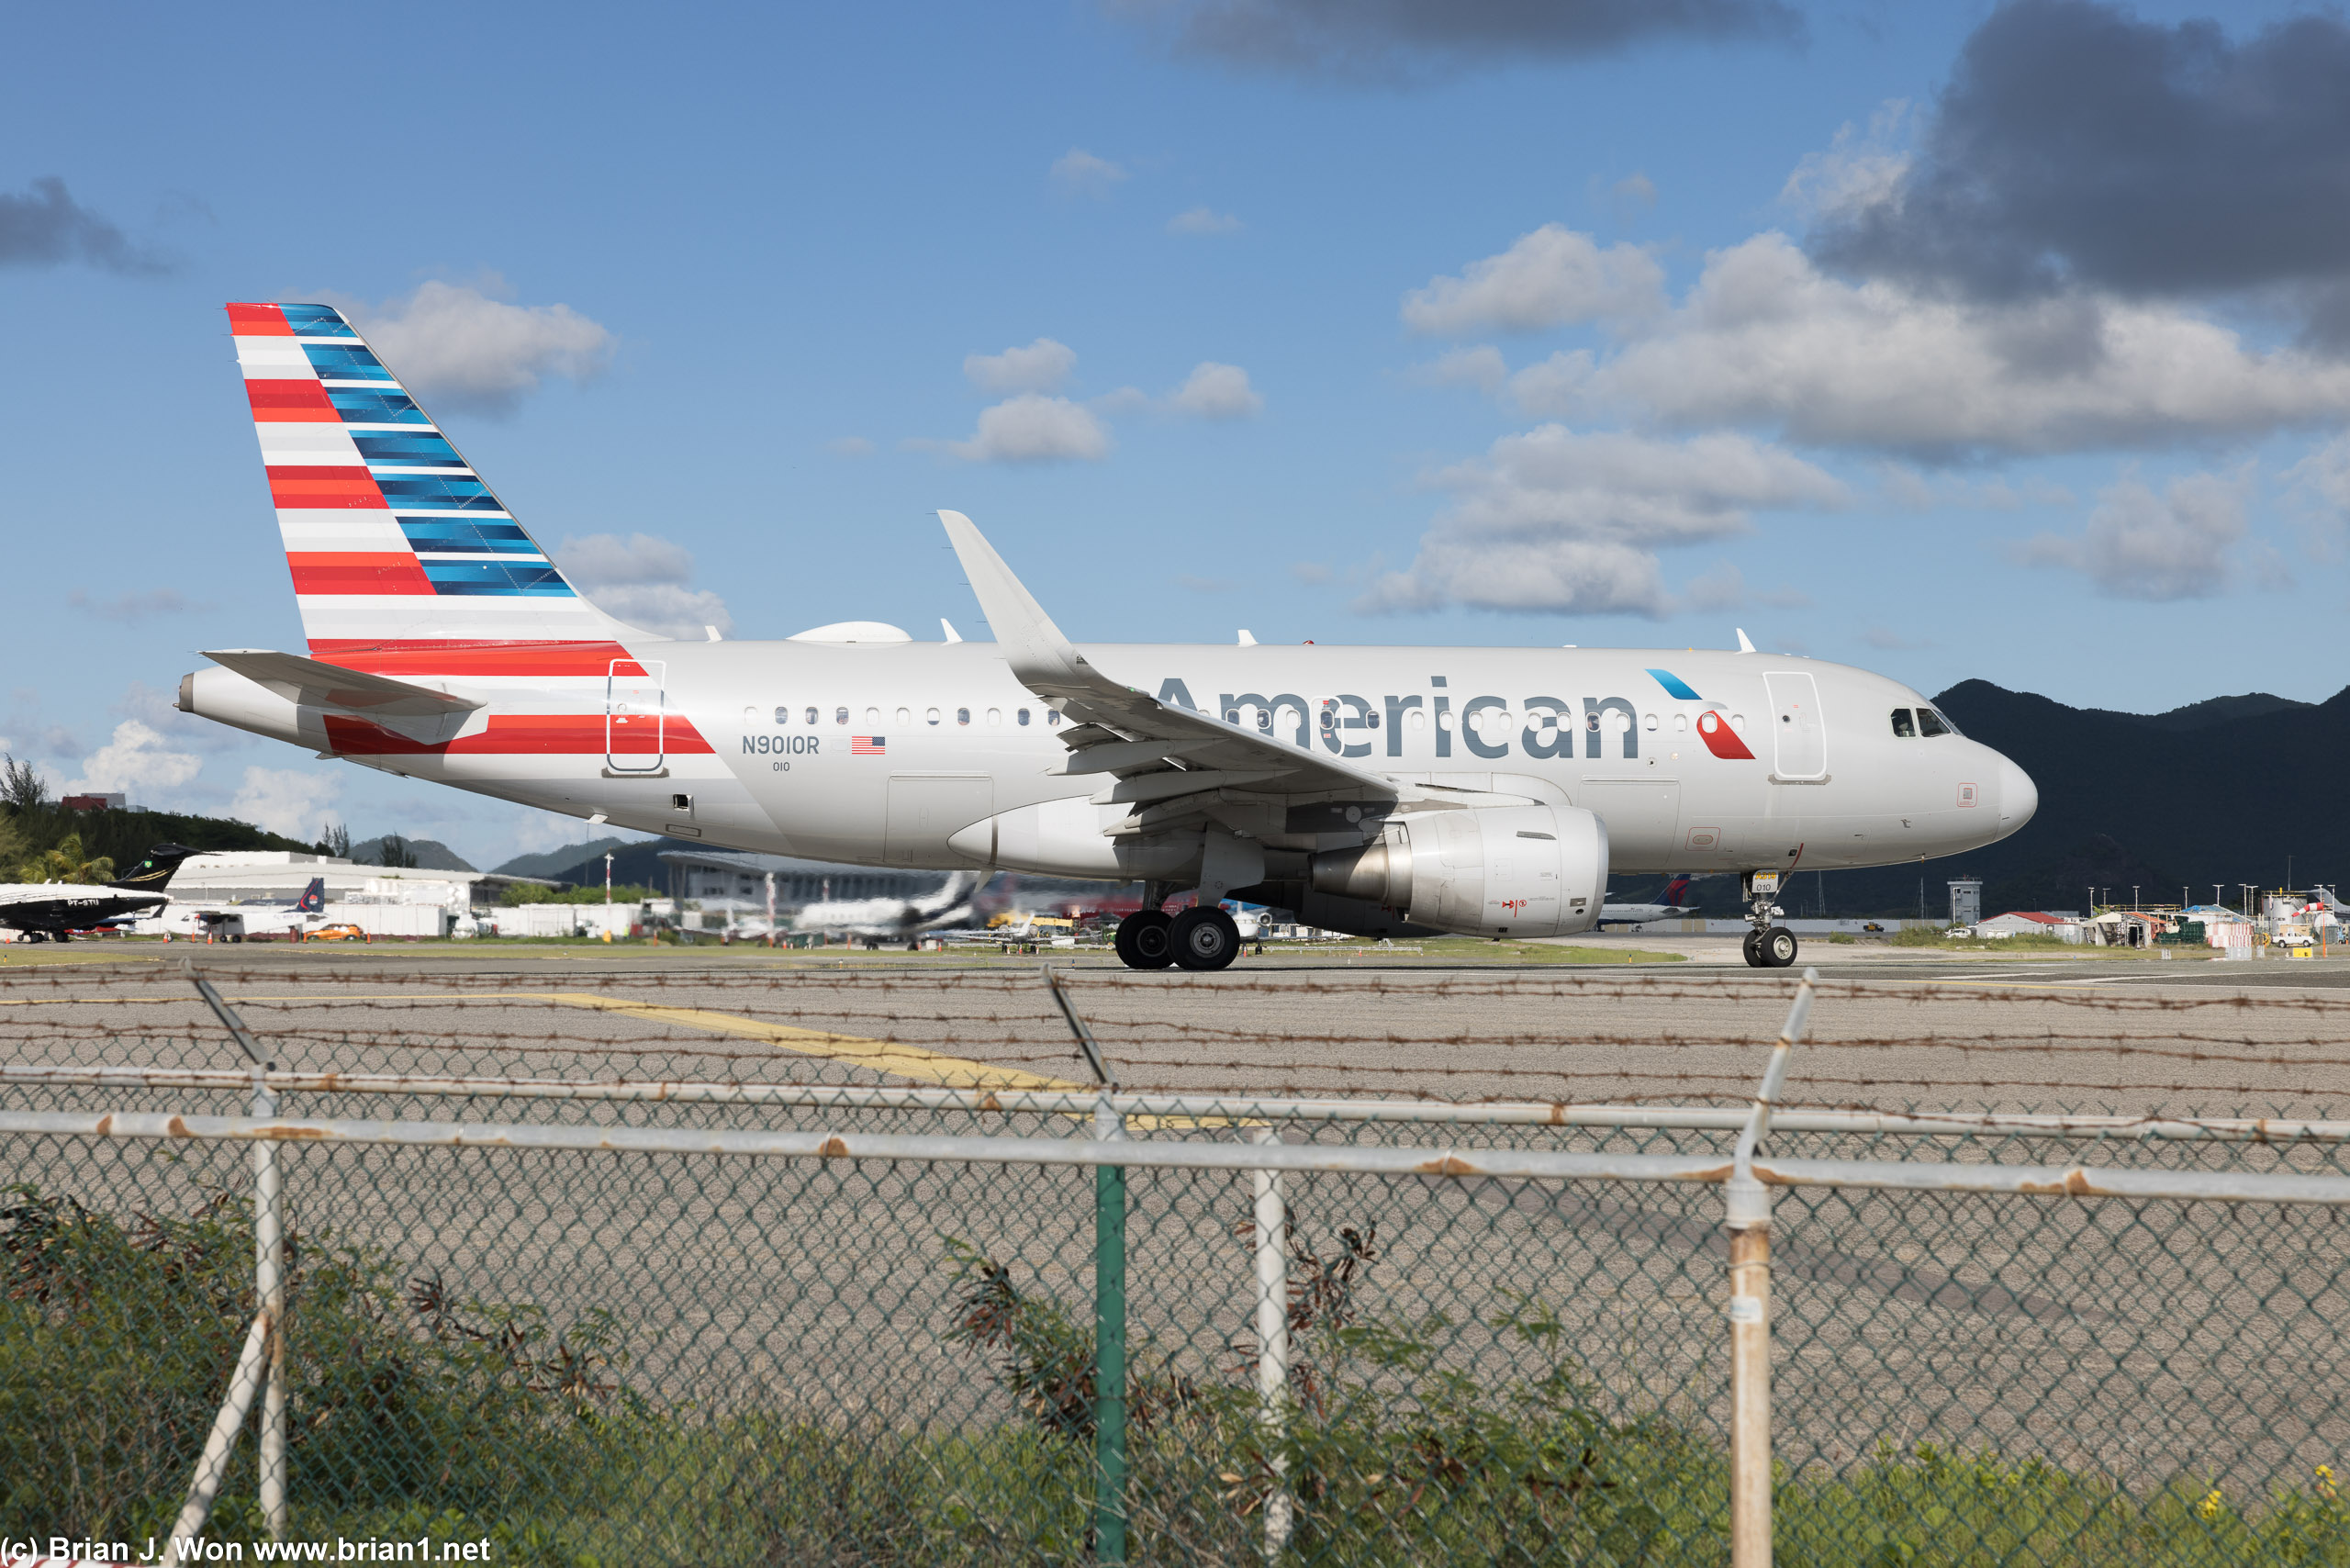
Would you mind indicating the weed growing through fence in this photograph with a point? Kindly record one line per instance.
(420, 1414)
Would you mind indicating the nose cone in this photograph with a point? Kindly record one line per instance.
(2018, 797)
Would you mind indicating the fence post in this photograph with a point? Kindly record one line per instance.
(260, 1364)
(1748, 1221)
(269, 1286)
(1273, 1340)
(1109, 1344)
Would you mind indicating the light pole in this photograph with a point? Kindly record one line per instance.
(608, 897)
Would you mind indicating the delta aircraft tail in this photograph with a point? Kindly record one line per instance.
(395, 543)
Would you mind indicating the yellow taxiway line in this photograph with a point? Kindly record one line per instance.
(851, 1050)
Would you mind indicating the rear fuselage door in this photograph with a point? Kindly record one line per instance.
(1799, 731)
(634, 716)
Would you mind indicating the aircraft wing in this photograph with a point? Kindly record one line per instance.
(1157, 753)
(314, 684)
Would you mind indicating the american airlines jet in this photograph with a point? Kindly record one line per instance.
(1382, 792)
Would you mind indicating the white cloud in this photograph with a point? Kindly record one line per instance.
(1884, 639)
(1482, 367)
(1766, 338)
(2161, 547)
(1635, 193)
(1724, 587)
(1215, 391)
(138, 761)
(1558, 521)
(1552, 277)
(1031, 428)
(849, 446)
(1204, 220)
(643, 581)
(1857, 168)
(460, 345)
(1042, 366)
(2318, 490)
(286, 801)
(1080, 173)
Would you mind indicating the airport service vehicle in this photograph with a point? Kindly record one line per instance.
(52, 912)
(341, 931)
(1375, 791)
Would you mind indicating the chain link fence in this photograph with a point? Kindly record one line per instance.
(857, 1312)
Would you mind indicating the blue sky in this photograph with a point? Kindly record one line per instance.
(1496, 323)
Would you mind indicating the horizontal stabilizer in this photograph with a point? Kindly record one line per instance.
(313, 683)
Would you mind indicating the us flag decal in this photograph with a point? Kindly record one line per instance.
(869, 746)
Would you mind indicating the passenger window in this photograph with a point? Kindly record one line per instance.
(783, 716)
(873, 718)
(840, 716)
(995, 717)
(930, 716)
(962, 715)
(1418, 720)
(906, 716)
(1930, 723)
(1052, 716)
(1023, 715)
(811, 717)
(1901, 724)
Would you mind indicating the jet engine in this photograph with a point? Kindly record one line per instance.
(1535, 870)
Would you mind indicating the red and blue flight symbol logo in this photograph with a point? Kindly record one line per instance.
(1712, 724)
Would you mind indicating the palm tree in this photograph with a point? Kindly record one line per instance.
(67, 863)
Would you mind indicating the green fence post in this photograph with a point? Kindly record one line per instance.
(1109, 1346)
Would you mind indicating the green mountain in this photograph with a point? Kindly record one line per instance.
(639, 863)
(548, 862)
(431, 854)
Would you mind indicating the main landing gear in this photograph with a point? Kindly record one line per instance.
(1203, 938)
(1143, 941)
(1767, 946)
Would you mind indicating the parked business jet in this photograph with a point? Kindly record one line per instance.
(1381, 791)
(52, 912)
(896, 920)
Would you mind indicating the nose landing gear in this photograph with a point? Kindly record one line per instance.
(1768, 946)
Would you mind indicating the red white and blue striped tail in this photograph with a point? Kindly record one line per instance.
(394, 542)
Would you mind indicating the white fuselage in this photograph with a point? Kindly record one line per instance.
(756, 746)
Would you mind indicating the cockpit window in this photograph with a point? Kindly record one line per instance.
(1932, 724)
(1902, 725)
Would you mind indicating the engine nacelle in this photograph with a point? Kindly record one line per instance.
(1494, 871)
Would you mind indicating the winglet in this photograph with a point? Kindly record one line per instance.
(1032, 645)
(1744, 647)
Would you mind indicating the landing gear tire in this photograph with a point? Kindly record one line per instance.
(1752, 948)
(1144, 940)
(1205, 939)
(1777, 947)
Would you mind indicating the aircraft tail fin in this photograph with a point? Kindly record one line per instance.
(153, 873)
(314, 897)
(1677, 892)
(391, 537)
